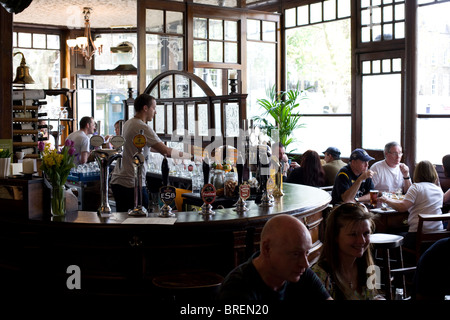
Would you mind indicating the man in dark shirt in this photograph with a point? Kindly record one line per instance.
(354, 181)
(280, 271)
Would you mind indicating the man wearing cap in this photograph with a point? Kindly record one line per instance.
(391, 175)
(354, 181)
(333, 164)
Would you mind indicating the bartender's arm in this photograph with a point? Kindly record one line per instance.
(170, 152)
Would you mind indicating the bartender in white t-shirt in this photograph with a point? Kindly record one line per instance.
(391, 175)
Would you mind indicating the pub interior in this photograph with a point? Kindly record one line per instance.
(363, 72)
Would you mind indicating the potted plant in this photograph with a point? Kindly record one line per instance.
(282, 108)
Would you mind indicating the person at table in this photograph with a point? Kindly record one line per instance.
(278, 150)
(431, 280)
(391, 175)
(117, 126)
(423, 197)
(310, 172)
(280, 270)
(346, 253)
(446, 166)
(122, 179)
(81, 139)
(354, 181)
(333, 164)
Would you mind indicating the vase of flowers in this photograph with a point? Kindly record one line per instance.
(5, 161)
(56, 165)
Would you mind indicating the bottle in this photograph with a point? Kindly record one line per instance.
(398, 294)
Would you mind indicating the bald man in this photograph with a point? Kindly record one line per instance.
(280, 270)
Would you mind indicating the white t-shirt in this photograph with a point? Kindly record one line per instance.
(427, 198)
(387, 178)
(81, 143)
(125, 174)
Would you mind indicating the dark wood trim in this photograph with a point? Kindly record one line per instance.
(6, 73)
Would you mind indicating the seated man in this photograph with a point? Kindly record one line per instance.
(446, 166)
(354, 181)
(280, 271)
(391, 175)
(333, 164)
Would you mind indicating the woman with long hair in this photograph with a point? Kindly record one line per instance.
(310, 171)
(425, 196)
(346, 253)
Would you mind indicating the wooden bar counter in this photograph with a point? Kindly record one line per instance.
(121, 258)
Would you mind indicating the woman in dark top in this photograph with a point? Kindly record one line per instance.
(310, 172)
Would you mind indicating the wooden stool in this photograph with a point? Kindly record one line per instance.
(193, 285)
(384, 242)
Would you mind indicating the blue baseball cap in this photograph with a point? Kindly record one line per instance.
(360, 154)
(335, 152)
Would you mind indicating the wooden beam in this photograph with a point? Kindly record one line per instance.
(5, 74)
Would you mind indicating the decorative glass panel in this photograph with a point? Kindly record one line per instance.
(215, 29)
(253, 29)
(200, 50)
(163, 53)
(269, 31)
(169, 112)
(203, 121)
(231, 30)
(182, 86)
(218, 119)
(215, 51)
(39, 41)
(155, 91)
(231, 52)
(191, 119)
(180, 119)
(159, 119)
(166, 88)
(154, 20)
(231, 119)
(200, 28)
(108, 60)
(212, 77)
(174, 22)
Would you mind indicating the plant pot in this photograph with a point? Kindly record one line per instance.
(5, 164)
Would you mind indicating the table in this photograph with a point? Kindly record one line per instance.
(390, 221)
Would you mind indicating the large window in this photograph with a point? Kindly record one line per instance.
(318, 59)
(433, 80)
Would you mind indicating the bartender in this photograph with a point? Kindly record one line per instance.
(123, 179)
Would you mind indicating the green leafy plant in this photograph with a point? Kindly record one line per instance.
(281, 106)
(4, 153)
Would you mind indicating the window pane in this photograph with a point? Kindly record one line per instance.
(387, 13)
(387, 31)
(231, 30)
(253, 29)
(261, 63)
(428, 147)
(166, 88)
(231, 50)
(180, 119)
(269, 31)
(154, 20)
(108, 60)
(215, 51)
(24, 40)
(169, 110)
(316, 12)
(399, 30)
(212, 77)
(323, 63)
(200, 50)
(290, 18)
(216, 29)
(303, 15)
(344, 8)
(163, 53)
(381, 112)
(182, 86)
(200, 30)
(174, 22)
(159, 119)
(314, 127)
(53, 41)
(329, 10)
(39, 41)
(399, 12)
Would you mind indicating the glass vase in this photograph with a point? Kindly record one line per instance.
(58, 201)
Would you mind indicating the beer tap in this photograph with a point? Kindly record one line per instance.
(208, 192)
(138, 160)
(104, 158)
(264, 156)
(166, 193)
(244, 188)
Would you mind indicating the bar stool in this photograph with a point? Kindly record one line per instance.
(385, 242)
(192, 285)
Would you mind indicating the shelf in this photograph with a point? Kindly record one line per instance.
(25, 131)
(26, 108)
(25, 144)
(26, 120)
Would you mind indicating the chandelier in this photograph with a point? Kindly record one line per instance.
(85, 45)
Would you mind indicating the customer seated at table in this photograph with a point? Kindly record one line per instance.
(446, 166)
(423, 197)
(431, 280)
(391, 175)
(346, 253)
(354, 181)
(279, 152)
(333, 164)
(310, 172)
(280, 271)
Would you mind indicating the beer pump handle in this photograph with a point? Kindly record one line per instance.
(240, 169)
(165, 171)
(206, 169)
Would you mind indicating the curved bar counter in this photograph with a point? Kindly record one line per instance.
(114, 257)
